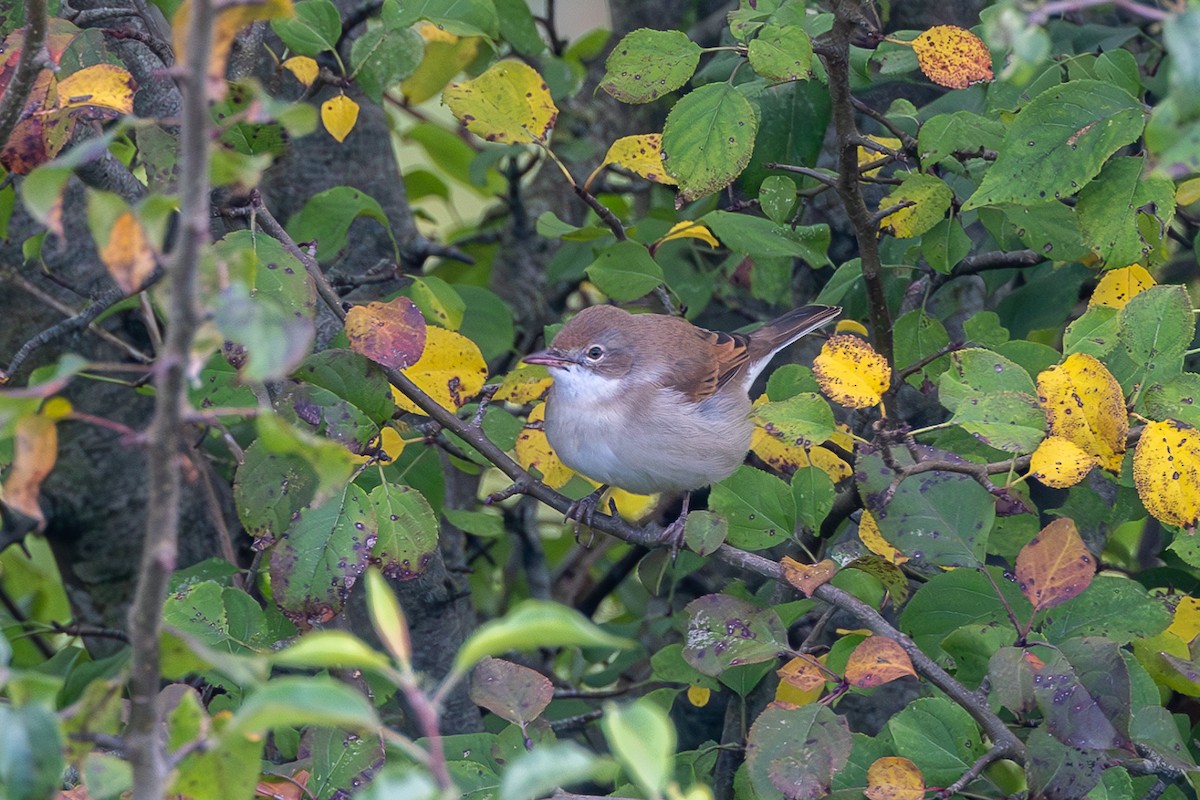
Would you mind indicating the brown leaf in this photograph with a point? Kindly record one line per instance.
(35, 450)
(1055, 566)
(127, 254)
(807, 577)
(392, 334)
(803, 672)
(877, 660)
(510, 691)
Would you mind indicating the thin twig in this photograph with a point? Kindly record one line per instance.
(975, 770)
(101, 303)
(19, 617)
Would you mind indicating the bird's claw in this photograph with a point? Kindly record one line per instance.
(583, 511)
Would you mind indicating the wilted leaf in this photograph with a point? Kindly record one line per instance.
(788, 458)
(851, 373)
(1084, 404)
(804, 673)
(127, 254)
(894, 778)
(930, 197)
(510, 691)
(338, 115)
(641, 155)
(1166, 471)
(1060, 463)
(392, 334)
(533, 451)
(877, 660)
(1055, 566)
(508, 103)
(807, 577)
(35, 450)
(451, 370)
(953, 57)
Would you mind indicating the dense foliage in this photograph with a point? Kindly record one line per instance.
(960, 559)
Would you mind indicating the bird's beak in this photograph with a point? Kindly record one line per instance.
(549, 358)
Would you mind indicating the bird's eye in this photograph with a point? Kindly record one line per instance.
(595, 351)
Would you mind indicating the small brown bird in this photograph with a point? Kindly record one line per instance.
(652, 403)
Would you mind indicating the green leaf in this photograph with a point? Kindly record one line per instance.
(325, 551)
(758, 506)
(487, 321)
(777, 197)
(1156, 327)
(223, 770)
(353, 378)
(945, 245)
(643, 739)
(1072, 715)
(646, 64)
(762, 238)
(931, 198)
(938, 736)
(1058, 770)
(804, 419)
(518, 28)
(1059, 142)
(315, 28)
(459, 17)
(972, 648)
(625, 271)
(327, 216)
(813, 493)
(704, 532)
(223, 618)
(1094, 333)
(439, 302)
(330, 649)
(725, 632)
(708, 139)
(958, 598)
(332, 462)
(1111, 206)
(1176, 398)
(975, 371)
(269, 488)
(299, 701)
(939, 518)
(795, 752)
(269, 340)
(781, 53)
(407, 531)
(382, 57)
(342, 761)
(31, 761)
(917, 336)
(530, 625)
(1011, 421)
(1114, 607)
(792, 121)
(959, 132)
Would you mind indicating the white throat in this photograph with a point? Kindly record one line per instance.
(576, 386)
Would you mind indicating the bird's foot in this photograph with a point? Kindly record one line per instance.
(672, 535)
(583, 511)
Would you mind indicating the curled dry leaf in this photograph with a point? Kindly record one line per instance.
(1166, 471)
(127, 254)
(1055, 566)
(953, 57)
(35, 449)
(851, 373)
(807, 577)
(877, 660)
(392, 334)
(1084, 404)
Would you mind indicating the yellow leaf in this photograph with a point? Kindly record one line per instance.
(432, 33)
(304, 68)
(801, 681)
(127, 254)
(339, 114)
(35, 449)
(630, 506)
(842, 437)
(100, 85)
(869, 533)
(851, 373)
(1084, 404)
(524, 385)
(699, 695)
(451, 370)
(1186, 624)
(641, 155)
(391, 442)
(1118, 286)
(508, 103)
(929, 198)
(1060, 463)
(866, 155)
(690, 230)
(1188, 192)
(851, 326)
(953, 57)
(786, 457)
(894, 778)
(57, 408)
(1166, 471)
(533, 451)
(231, 18)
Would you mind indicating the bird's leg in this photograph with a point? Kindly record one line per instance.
(672, 535)
(583, 510)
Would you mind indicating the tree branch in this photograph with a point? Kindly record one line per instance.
(28, 67)
(144, 735)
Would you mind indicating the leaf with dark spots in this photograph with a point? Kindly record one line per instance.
(351, 377)
(391, 334)
(725, 632)
(1059, 772)
(324, 552)
(796, 750)
(270, 489)
(407, 531)
(515, 693)
(1073, 716)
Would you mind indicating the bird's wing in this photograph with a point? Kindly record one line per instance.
(716, 359)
